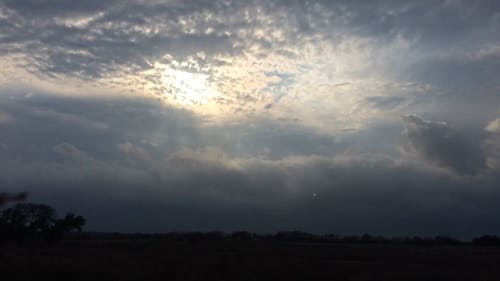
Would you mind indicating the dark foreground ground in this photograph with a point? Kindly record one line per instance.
(245, 260)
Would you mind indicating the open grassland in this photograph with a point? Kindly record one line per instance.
(246, 260)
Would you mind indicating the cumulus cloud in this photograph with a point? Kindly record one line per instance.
(492, 144)
(493, 126)
(441, 144)
(69, 151)
(134, 152)
(5, 118)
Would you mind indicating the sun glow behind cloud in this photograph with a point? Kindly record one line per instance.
(256, 61)
(335, 87)
(314, 63)
(187, 88)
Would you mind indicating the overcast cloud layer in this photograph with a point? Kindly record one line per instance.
(324, 116)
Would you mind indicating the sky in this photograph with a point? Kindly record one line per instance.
(340, 116)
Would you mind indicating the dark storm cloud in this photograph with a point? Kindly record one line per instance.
(161, 169)
(68, 151)
(472, 72)
(96, 126)
(204, 190)
(134, 129)
(440, 144)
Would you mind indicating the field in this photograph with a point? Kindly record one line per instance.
(245, 260)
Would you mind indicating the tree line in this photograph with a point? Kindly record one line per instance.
(290, 236)
(38, 222)
(28, 222)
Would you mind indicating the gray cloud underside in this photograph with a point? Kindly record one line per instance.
(443, 145)
(137, 165)
(131, 164)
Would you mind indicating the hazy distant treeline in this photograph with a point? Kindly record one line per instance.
(291, 236)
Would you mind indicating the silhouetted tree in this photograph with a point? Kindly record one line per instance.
(487, 240)
(215, 235)
(70, 222)
(351, 239)
(34, 217)
(367, 238)
(446, 240)
(37, 221)
(295, 236)
(242, 235)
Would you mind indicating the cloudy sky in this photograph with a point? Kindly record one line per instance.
(325, 116)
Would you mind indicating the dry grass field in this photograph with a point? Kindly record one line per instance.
(246, 260)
